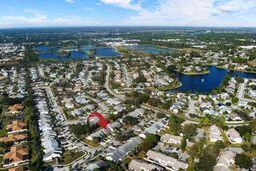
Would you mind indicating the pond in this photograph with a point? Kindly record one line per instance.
(150, 49)
(207, 82)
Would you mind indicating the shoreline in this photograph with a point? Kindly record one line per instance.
(168, 88)
(194, 73)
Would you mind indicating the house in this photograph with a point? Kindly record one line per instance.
(137, 113)
(96, 165)
(139, 165)
(16, 127)
(234, 136)
(14, 138)
(51, 146)
(113, 126)
(122, 151)
(99, 135)
(226, 159)
(15, 109)
(17, 169)
(18, 154)
(215, 134)
(172, 139)
(163, 160)
(81, 100)
(155, 127)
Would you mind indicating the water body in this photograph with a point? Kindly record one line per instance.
(45, 53)
(42, 48)
(207, 82)
(74, 55)
(106, 52)
(150, 49)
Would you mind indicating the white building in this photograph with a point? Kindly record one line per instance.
(234, 136)
(215, 134)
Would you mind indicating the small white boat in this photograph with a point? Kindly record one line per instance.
(202, 80)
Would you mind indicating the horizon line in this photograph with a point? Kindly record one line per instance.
(102, 26)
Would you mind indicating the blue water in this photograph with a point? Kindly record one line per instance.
(74, 56)
(45, 53)
(150, 49)
(106, 52)
(42, 48)
(211, 80)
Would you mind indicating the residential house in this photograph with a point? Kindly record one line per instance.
(17, 155)
(140, 165)
(234, 136)
(163, 160)
(16, 127)
(215, 134)
(226, 159)
(122, 151)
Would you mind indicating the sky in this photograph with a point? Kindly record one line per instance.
(50, 13)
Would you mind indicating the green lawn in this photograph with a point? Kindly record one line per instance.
(70, 156)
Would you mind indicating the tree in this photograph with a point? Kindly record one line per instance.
(153, 102)
(189, 130)
(234, 100)
(196, 149)
(174, 155)
(183, 144)
(129, 120)
(220, 144)
(149, 142)
(243, 161)
(206, 162)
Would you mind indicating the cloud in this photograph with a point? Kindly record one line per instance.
(39, 18)
(198, 13)
(70, 1)
(128, 4)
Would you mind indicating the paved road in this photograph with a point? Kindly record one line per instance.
(78, 143)
(128, 79)
(241, 90)
(119, 96)
(240, 93)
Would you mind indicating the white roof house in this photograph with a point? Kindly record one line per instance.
(226, 159)
(214, 134)
(137, 113)
(139, 165)
(154, 128)
(122, 151)
(234, 136)
(163, 160)
(172, 139)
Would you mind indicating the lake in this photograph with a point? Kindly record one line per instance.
(207, 82)
(150, 49)
(46, 52)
